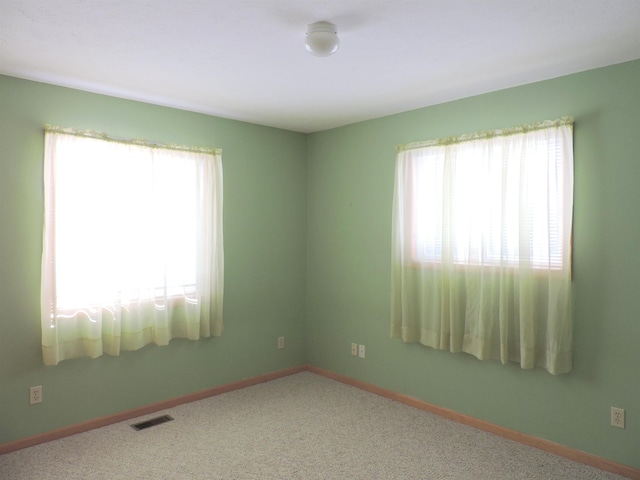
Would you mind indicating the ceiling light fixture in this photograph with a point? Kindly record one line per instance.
(322, 39)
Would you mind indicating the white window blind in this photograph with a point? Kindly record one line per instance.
(473, 202)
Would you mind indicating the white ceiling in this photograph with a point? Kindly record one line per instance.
(245, 59)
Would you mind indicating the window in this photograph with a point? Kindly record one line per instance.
(132, 247)
(484, 221)
(481, 244)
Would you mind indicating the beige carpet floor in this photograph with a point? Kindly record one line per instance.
(300, 427)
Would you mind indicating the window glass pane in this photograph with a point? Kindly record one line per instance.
(125, 223)
(488, 202)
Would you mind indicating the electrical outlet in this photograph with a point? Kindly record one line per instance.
(354, 349)
(35, 395)
(361, 351)
(617, 417)
(280, 342)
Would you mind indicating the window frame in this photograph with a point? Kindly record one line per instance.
(513, 264)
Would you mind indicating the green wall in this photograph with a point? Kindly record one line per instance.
(265, 250)
(351, 174)
(307, 256)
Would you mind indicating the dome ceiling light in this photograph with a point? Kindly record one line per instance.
(322, 39)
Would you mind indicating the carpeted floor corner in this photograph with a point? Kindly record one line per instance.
(299, 427)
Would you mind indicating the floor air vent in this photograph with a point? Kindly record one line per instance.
(152, 422)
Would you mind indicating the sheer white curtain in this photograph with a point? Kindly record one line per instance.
(133, 247)
(481, 259)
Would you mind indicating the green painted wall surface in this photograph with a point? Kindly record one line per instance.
(351, 174)
(265, 261)
(307, 236)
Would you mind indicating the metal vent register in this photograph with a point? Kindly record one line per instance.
(152, 422)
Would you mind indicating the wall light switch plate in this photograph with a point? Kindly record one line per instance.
(361, 351)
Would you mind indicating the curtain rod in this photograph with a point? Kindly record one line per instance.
(130, 141)
(468, 137)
